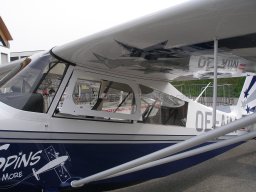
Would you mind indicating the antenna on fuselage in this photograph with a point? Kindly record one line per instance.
(202, 92)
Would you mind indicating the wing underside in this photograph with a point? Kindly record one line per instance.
(174, 44)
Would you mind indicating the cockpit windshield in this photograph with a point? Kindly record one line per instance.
(31, 84)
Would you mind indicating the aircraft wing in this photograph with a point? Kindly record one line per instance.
(185, 31)
(134, 51)
(157, 46)
(152, 52)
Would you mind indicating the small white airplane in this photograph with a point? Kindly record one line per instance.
(86, 115)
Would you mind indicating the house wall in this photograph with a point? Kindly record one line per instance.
(4, 55)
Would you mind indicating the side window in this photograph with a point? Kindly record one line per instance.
(98, 99)
(116, 98)
(160, 108)
(107, 96)
(49, 85)
(86, 92)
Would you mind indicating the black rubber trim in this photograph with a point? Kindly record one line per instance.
(61, 59)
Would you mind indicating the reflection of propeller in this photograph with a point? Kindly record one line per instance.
(52, 164)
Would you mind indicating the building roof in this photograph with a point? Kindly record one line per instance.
(5, 30)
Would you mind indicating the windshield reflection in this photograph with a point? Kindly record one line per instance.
(20, 87)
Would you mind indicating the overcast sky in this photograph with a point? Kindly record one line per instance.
(42, 24)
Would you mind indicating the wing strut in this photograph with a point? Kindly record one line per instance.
(189, 153)
(189, 143)
(215, 83)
